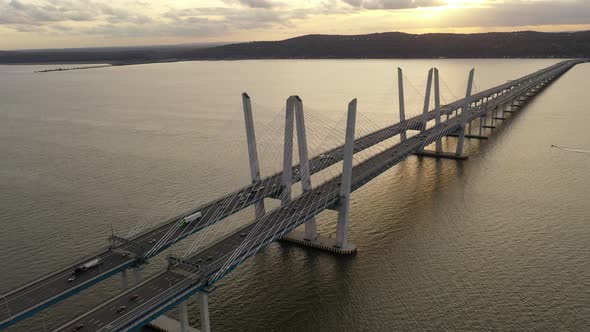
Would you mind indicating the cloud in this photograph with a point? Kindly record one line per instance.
(523, 13)
(18, 13)
(267, 19)
(253, 3)
(394, 4)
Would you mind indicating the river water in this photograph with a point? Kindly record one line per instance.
(497, 242)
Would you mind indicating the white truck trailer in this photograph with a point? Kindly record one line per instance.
(189, 219)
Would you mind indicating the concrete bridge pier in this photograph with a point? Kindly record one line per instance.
(509, 110)
(167, 324)
(182, 307)
(485, 121)
(137, 275)
(438, 153)
(124, 284)
(468, 128)
(204, 311)
(503, 115)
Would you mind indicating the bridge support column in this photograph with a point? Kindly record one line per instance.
(183, 317)
(438, 153)
(468, 136)
(402, 104)
(124, 280)
(481, 124)
(470, 127)
(501, 110)
(204, 311)
(137, 275)
(485, 118)
(252, 151)
(493, 116)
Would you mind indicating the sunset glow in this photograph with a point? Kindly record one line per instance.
(80, 23)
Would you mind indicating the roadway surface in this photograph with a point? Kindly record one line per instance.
(50, 289)
(28, 299)
(169, 288)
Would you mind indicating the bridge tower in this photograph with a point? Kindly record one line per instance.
(464, 114)
(402, 103)
(439, 153)
(346, 182)
(426, 109)
(294, 113)
(252, 150)
(310, 237)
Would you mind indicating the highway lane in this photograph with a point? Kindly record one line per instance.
(55, 287)
(144, 296)
(51, 289)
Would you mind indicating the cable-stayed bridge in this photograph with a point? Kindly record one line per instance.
(196, 273)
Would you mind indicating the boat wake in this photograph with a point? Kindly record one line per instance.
(563, 148)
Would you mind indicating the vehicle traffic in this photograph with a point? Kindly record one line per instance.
(189, 219)
(85, 267)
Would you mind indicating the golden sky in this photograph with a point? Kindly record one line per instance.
(84, 23)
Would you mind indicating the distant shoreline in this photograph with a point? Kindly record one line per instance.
(388, 45)
(73, 68)
(119, 64)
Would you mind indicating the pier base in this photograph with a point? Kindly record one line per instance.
(443, 155)
(468, 136)
(167, 324)
(321, 243)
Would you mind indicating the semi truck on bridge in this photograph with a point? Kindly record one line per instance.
(84, 267)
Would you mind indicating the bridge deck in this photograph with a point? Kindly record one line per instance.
(48, 290)
(159, 295)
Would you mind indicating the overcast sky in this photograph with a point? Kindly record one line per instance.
(83, 23)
